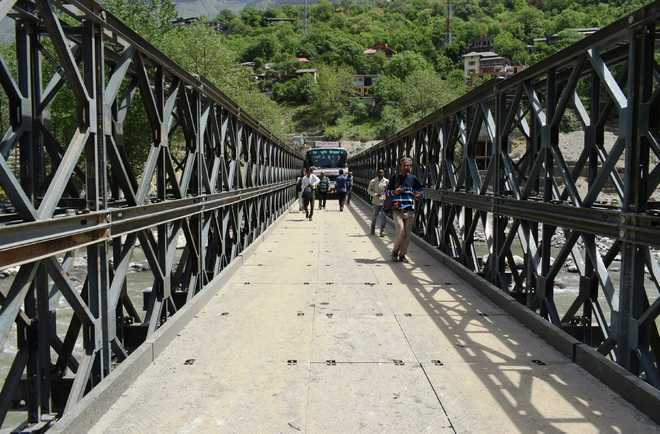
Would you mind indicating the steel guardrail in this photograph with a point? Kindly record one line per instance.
(78, 209)
(524, 221)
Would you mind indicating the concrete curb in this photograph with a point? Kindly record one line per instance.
(643, 396)
(96, 403)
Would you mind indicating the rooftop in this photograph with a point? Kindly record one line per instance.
(481, 54)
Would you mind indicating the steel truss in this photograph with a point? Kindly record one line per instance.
(213, 176)
(480, 217)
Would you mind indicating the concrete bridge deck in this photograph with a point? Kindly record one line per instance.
(317, 333)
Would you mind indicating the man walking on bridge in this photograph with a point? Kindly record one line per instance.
(403, 190)
(377, 188)
(308, 184)
(324, 186)
(341, 185)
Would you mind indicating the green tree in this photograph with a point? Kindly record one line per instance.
(424, 91)
(388, 90)
(150, 18)
(331, 95)
(405, 63)
(297, 91)
(392, 120)
(509, 46)
(266, 47)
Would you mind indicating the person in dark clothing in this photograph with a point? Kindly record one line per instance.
(403, 191)
(341, 184)
(324, 185)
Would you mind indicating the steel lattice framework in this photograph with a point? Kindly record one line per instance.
(484, 212)
(221, 185)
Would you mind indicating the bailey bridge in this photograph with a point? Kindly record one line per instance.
(176, 287)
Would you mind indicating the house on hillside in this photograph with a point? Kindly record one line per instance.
(552, 39)
(218, 26)
(481, 44)
(381, 47)
(479, 64)
(363, 83)
(311, 71)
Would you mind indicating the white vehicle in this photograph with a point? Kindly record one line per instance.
(328, 161)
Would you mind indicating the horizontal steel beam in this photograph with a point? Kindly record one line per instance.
(643, 230)
(28, 242)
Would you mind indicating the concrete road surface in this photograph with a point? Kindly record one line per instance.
(319, 333)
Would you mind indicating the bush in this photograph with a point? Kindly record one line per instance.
(297, 91)
(405, 63)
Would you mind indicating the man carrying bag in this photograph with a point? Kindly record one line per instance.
(403, 190)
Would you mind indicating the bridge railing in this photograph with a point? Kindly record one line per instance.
(115, 160)
(511, 196)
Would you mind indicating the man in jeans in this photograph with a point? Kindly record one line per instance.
(403, 190)
(308, 184)
(324, 185)
(341, 184)
(377, 188)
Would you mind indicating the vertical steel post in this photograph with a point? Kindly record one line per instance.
(97, 343)
(635, 121)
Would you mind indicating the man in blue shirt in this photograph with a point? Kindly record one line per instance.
(403, 191)
(341, 185)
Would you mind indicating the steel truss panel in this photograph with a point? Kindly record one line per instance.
(522, 221)
(207, 182)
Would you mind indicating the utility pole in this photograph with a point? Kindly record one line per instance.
(450, 12)
(306, 16)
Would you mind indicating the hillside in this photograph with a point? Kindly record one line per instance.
(196, 8)
(210, 8)
(358, 69)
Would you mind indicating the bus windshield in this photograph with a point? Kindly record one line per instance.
(326, 158)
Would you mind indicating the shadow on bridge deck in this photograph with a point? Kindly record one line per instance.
(318, 333)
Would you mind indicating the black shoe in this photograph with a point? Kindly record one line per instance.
(402, 258)
(341, 209)
(395, 256)
(382, 233)
(373, 231)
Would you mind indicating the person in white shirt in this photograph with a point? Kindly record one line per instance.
(308, 185)
(299, 189)
(376, 190)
